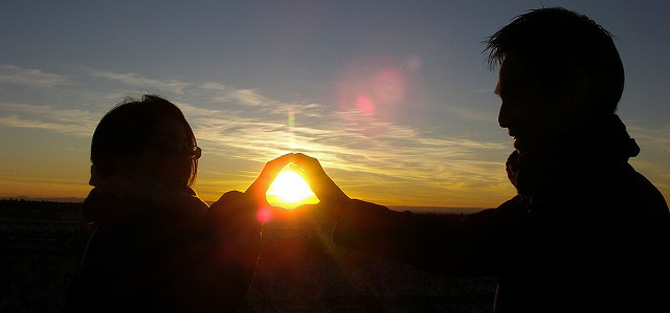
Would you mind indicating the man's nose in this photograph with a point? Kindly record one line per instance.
(504, 116)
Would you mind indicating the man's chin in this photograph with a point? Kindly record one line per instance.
(515, 136)
(523, 142)
(514, 133)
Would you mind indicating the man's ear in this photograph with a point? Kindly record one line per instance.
(578, 95)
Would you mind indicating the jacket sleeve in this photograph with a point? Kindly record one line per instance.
(447, 245)
(218, 261)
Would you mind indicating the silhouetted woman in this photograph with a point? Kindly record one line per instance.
(156, 246)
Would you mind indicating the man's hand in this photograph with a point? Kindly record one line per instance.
(331, 198)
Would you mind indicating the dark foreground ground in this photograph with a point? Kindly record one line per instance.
(299, 271)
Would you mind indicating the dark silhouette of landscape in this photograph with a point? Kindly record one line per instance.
(299, 269)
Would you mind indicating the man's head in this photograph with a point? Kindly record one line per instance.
(558, 70)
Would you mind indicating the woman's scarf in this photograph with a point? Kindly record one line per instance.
(119, 196)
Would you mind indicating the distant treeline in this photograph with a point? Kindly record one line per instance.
(10, 207)
(437, 210)
(58, 205)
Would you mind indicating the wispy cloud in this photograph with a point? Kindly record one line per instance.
(468, 113)
(249, 97)
(224, 94)
(19, 122)
(71, 121)
(137, 80)
(11, 74)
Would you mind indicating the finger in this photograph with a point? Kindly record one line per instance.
(319, 184)
(322, 185)
(228, 198)
(309, 169)
(305, 209)
(302, 173)
(307, 163)
(232, 195)
(228, 209)
(295, 168)
(270, 171)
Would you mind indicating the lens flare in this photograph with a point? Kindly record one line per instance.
(390, 86)
(414, 63)
(291, 119)
(264, 215)
(381, 86)
(365, 105)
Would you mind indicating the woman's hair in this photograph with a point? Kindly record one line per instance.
(128, 130)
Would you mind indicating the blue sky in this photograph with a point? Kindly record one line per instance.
(395, 97)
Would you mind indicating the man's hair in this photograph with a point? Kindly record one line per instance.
(556, 44)
(128, 128)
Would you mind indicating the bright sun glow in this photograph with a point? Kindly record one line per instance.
(289, 187)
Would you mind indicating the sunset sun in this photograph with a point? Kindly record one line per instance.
(290, 190)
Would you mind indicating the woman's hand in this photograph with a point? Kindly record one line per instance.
(259, 187)
(234, 228)
(243, 212)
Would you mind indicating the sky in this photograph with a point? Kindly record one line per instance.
(395, 98)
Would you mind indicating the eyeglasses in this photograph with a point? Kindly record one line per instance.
(190, 152)
(194, 153)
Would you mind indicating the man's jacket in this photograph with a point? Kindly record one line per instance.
(586, 232)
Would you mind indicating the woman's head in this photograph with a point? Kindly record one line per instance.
(149, 137)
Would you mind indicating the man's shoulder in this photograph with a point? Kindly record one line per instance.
(517, 203)
(613, 190)
(641, 192)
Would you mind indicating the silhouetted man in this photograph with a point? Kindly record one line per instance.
(586, 232)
